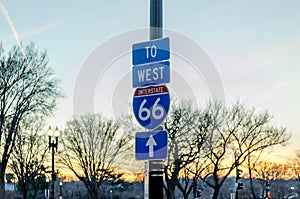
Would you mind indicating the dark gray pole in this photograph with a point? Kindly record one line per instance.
(236, 179)
(156, 167)
(52, 174)
(156, 19)
(156, 179)
(53, 145)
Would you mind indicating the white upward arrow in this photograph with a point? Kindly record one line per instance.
(151, 143)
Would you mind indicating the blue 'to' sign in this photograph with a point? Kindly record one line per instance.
(151, 105)
(151, 51)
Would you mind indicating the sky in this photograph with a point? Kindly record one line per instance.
(251, 50)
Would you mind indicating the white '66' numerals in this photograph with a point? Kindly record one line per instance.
(157, 111)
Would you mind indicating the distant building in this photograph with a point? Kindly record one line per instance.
(9, 186)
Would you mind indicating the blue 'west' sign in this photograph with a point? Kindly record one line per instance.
(151, 74)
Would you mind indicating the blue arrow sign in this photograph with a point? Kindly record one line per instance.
(151, 74)
(151, 145)
(151, 105)
(151, 51)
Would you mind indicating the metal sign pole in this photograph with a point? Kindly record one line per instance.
(156, 167)
(155, 179)
(156, 19)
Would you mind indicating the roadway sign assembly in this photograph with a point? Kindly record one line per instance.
(151, 105)
(151, 51)
(151, 74)
(151, 145)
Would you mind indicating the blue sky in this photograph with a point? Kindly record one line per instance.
(255, 45)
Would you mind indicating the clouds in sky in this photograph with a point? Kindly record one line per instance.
(43, 29)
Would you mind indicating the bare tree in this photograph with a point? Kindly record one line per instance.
(268, 171)
(28, 158)
(185, 140)
(260, 171)
(236, 133)
(295, 166)
(251, 162)
(92, 144)
(199, 134)
(177, 124)
(27, 87)
(294, 170)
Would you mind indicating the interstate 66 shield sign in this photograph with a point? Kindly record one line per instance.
(151, 105)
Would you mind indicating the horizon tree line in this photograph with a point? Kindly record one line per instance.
(204, 142)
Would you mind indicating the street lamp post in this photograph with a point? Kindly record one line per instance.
(47, 189)
(53, 142)
(60, 189)
(236, 155)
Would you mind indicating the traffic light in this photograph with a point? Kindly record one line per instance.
(268, 194)
(198, 193)
(268, 188)
(238, 173)
(268, 185)
(240, 186)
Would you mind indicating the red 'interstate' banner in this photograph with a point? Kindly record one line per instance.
(151, 90)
